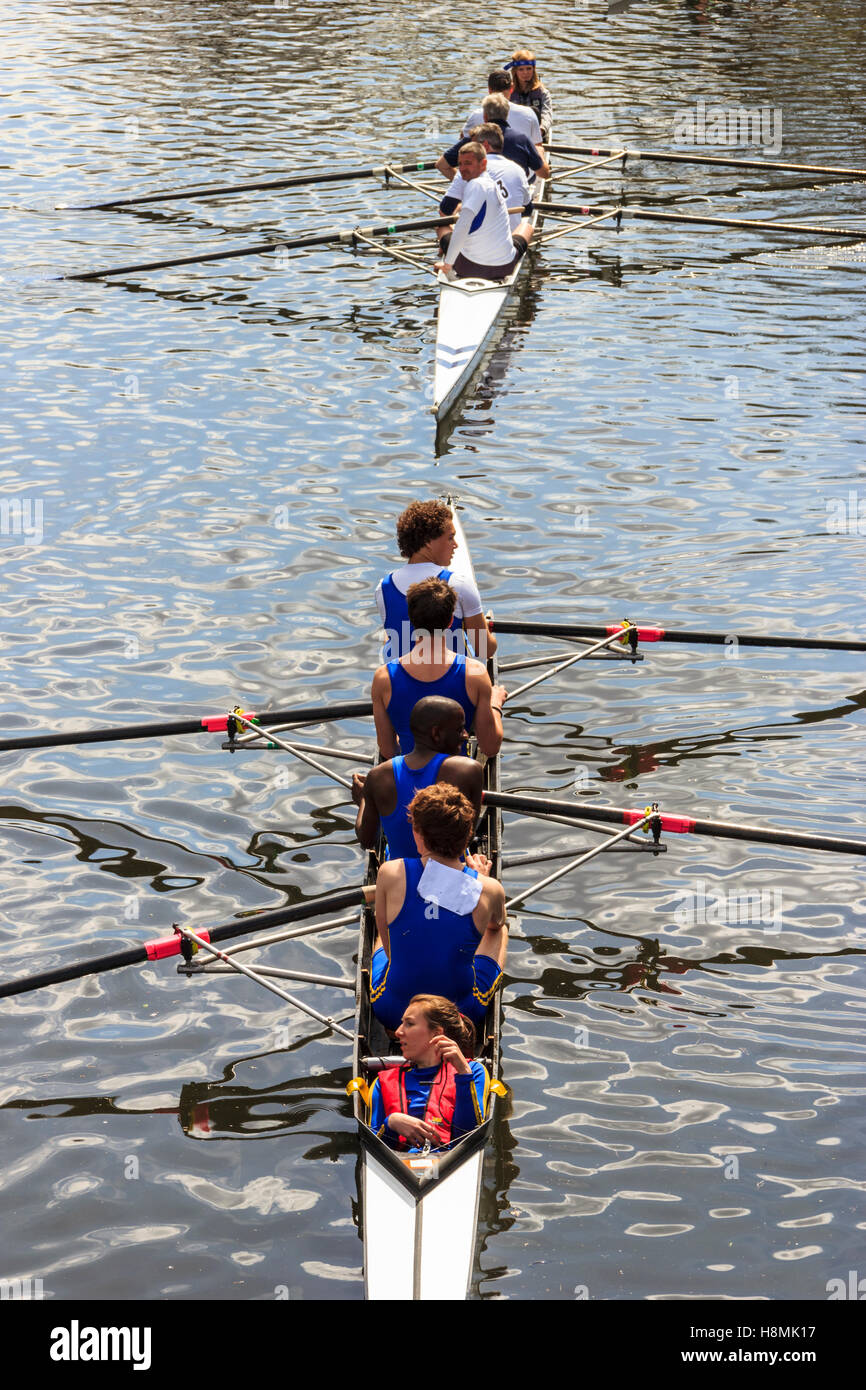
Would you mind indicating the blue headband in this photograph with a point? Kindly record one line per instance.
(520, 63)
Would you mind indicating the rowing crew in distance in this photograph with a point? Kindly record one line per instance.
(492, 171)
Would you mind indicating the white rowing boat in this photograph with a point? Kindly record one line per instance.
(420, 1211)
(469, 311)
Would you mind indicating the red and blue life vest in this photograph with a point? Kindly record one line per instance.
(441, 1101)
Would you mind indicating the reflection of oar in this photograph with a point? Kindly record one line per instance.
(213, 723)
(687, 825)
(676, 634)
(171, 195)
(172, 945)
(299, 243)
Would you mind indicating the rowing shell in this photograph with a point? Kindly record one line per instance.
(469, 310)
(419, 1212)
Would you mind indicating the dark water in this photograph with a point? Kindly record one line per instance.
(209, 461)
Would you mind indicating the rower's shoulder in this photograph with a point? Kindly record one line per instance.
(476, 669)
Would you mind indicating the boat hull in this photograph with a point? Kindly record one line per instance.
(469, 314)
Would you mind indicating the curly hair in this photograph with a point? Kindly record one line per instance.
(444, 817)
(421, 522)
(446, 1016)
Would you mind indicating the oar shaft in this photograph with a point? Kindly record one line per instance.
(291, 181)
(298, 753)
(678, 824)
(139, 955)
(703, 220)
(327, 238)
(575, 863)
(722, 161)
(304, 714)
(267, 984)
(662, 634)
(570, 661)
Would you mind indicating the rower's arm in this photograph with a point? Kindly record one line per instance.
(390, 892)
(445, 169)
(483, 641)
(488, 712)
(367, 820)
(381, 696)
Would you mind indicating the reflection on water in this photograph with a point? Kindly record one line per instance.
(669, 429)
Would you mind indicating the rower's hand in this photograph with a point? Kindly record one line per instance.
(416, 1131)
(498, 695)
(449, 1051)
(445, 269)
(480, 863)
(358, 781)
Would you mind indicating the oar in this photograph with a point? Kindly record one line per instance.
(170, 195)
(621, 634)
(297, 752)
(215, 723)
(203, 944)
(576, 863)
(698, 220)
(171, 946)
(721, 160)
(327, 238)
(682, 634)
(684, 825)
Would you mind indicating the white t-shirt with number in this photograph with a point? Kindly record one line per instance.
(482, 231)
(509, 179)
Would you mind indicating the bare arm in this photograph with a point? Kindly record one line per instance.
(488, 716)
(390, 891)
(381, 695)
(446, 169)
(483, 641)
(364, 796)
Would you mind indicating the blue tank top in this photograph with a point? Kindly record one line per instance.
(431, 947)
(396, 827)
(401, 634)
(406, 691)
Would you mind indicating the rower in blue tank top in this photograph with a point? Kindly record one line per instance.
(426, 539)
(439, 729)
(441, 921)
(434, 668)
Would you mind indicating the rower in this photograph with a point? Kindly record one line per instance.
(432, 667)
(426, 538)
(441, 921)
(529, 90)
(438, 727)
(440, 1092)
(509, 176)
(482, 244)
(521, 118)
(515, 145)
